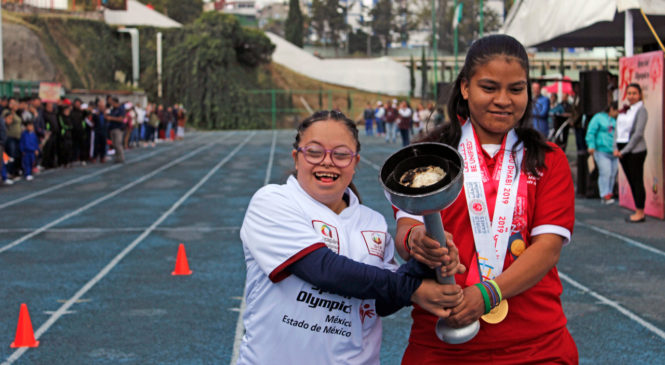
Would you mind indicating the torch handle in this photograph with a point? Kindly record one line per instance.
(434, 228)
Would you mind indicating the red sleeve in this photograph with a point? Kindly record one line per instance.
(555, 194)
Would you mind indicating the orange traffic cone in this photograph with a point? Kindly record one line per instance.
(25, 337)
(181, 265)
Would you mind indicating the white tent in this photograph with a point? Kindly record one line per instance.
(380, 75)
(582, 23)
(138, 14)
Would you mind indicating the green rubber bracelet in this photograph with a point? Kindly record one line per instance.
(498, 290)
(486, 297)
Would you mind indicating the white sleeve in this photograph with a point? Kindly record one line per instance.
(403, 214)
(276, 233)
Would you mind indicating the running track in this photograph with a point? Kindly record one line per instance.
(91, 250)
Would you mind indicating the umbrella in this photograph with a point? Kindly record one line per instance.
(588, 23)
(566, 87)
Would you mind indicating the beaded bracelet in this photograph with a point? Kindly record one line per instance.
(406, 237)
(486, 297)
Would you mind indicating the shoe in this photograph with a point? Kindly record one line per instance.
(641, 220)
(607, 201)
(8, 182)
(29, 178)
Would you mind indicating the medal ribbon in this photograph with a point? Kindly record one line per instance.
(491, 238)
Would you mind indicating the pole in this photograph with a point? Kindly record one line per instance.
(159, 65)
(2, 67)
(134, 33)
(455, 46)
(481, 20)
(434, 51)
(273, 108)
(628, 34)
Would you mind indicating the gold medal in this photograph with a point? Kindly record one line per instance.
(497, 314)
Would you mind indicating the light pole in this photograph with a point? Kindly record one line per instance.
(434, 51)
(2, 67)
(481, 26)
(159, 65)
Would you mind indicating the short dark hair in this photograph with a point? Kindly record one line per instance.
(327, 115)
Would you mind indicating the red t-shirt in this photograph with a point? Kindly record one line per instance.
(550, 209)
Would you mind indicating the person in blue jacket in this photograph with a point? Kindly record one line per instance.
(29, 146)
(600, 142)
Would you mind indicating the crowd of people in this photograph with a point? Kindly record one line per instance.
(393, 117)
(37, 135)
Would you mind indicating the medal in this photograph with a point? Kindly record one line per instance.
(497, 314)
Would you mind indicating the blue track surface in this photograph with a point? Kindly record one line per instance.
(90, 250)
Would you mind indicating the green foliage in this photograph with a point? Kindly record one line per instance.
(423, 71)
(328, 20)
(468, 27)
(358, 43)
(294, 24)
(382, 21)
(412, 76)
(210, 65)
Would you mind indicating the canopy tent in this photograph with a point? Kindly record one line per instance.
(138, 14)
(587, 23)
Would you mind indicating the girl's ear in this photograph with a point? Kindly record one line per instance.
(464, 89)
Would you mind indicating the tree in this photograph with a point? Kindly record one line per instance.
(209, 66)
(318, 20)
(182, 11)
(468, 27)
(412, 76)
(423, 71)
(382, 22)
(294, 24)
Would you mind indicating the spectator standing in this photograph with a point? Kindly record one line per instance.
(3, 138)
(152, 125)
(14, 130)
(130, 124)
(163, 121)
(100, 129)
(368, 117)
(181, 120)
(29, 150)
(379, 117)
(541, 110)
(51, 136)
(600, 139)
(79, 132)
(116, 118)
(561, 113)
(631, 148)
(65, 145)
(391, 118)
(405, 115)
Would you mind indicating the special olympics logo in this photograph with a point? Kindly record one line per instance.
(376, 238)
(326, 231)
(477, 206)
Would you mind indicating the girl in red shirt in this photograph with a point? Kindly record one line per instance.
(525, 190)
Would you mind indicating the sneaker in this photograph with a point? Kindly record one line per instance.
(8, 182)
(29, 178)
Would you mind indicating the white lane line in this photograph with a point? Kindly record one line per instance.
(65, 307)
(78, 179)
(657, 331)
(105, 197)
(375, 166)
(629, 241)
(240, 328)
(121, 229)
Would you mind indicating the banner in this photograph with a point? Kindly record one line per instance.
(646, 70)
(49, 91)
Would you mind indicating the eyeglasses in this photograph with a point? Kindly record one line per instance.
(315, 154)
